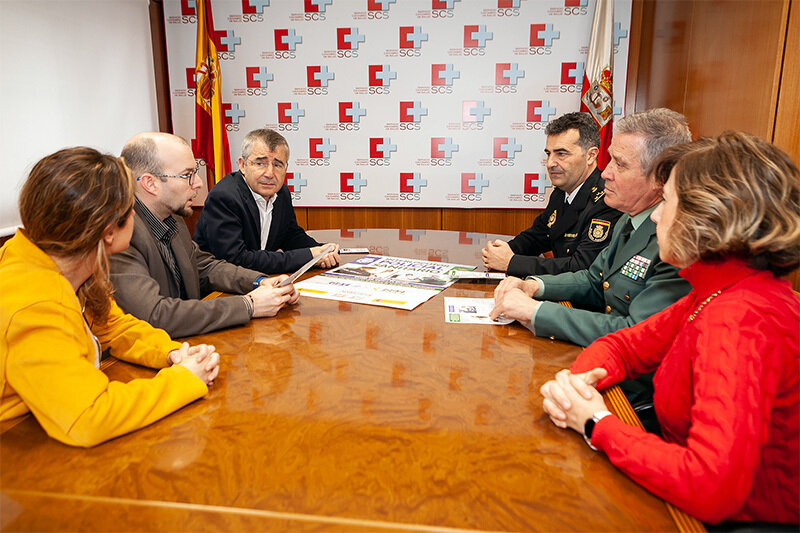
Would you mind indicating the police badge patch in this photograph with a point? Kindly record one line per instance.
(598, 230)
(552, 220)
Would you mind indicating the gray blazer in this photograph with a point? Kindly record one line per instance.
(145, 288)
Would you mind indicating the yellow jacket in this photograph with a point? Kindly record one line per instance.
(48, 357)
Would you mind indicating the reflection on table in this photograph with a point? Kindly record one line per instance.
(338, 416)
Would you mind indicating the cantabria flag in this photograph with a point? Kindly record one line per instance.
(596, 94)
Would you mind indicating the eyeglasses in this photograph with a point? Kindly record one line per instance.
(263, 165)
(188, 176)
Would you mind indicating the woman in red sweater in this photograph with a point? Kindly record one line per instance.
(727, 381)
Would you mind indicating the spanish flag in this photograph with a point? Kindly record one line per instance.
(597, 96)
(211, 138)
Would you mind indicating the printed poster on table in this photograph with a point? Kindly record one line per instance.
(381, 280)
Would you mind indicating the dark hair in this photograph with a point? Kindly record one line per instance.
(66, 204)
(588, 132)
(738, 195)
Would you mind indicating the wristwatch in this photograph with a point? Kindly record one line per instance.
(257, 282)
(588, 427)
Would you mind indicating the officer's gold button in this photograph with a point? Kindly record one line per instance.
(608, 309)
(567, 250)
(605, 285)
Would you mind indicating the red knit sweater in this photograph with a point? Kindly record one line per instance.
(727, 395)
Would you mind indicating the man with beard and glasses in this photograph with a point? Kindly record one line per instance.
(163, 276)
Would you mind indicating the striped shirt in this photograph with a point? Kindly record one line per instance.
(164, 231)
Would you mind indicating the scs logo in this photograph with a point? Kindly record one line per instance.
(295, 184)
(286, 41)
(289, 114)
(379, 78)
(411, 114)
(534, 187)
(506, 76)
(538, 114)
(411, 39)
(442, 149)
(575, 7)
(380, 150)
(542, 36)
(315, 9)
(411, 183)
(378, 9)
(350, 184)
(347, 41)
(508, 8)
(472, 184)
(504, 150)
(319, 151)
(350, 114)
(571, 77)
(231, 117)
(317, 78)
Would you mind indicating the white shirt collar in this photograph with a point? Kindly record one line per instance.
(265, 208)
(571, 196)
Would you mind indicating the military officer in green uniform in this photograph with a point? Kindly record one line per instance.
(627, 282)
(577, 223)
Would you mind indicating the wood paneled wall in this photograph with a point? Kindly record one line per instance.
(503, 221)
(726, 65)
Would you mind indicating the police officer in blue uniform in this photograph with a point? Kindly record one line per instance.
(577, 223)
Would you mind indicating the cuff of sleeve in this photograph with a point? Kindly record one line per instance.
(604, 431)
(170, 347)
(194, 386)
(531, 326)
(538, 280)
(248, 304)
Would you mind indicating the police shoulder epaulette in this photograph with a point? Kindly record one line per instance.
(598, 195)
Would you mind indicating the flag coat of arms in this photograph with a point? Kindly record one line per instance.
(596, 93)
(211, 138)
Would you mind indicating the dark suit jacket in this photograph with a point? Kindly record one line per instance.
(229, 227)
(145, 287)
(577, 234)
(624, 301)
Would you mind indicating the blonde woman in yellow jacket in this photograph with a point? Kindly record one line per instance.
(57, 314)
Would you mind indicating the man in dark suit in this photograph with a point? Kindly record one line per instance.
(577, 223)
(248, 218)
(163, 275)
(627, 281)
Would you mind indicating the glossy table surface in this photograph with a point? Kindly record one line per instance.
(343, 417)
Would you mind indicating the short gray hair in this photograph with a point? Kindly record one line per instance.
(271, 138)
(660, 127)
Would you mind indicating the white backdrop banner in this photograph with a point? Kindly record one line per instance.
(398, 103)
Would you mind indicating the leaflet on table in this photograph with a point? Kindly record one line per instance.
(470, 311)
(462, 275)
(381, 280)
(399, 271)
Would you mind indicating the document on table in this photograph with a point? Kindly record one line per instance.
(382, 280)
(462, 275)
(470, 311)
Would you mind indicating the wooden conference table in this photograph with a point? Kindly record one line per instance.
(344, 417)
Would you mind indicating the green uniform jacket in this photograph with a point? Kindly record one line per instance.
(623, 300)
